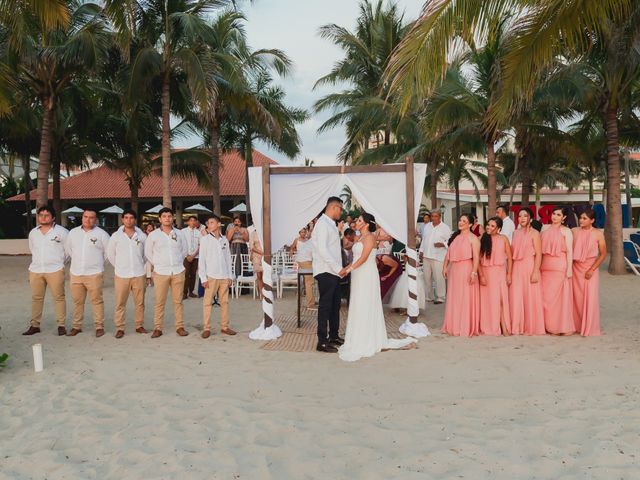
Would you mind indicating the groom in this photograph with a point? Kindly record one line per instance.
(327, 264)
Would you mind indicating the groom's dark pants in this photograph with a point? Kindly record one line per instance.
(328, 306)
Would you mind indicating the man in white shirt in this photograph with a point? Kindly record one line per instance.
(426, 225)
(87, 247)
(327, 265)
(126, 254)
(192, 236)
(46, 243)
(508, 227)
(433, 249)
(215, 275)
(166, 250)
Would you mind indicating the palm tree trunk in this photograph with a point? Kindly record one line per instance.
(590, 180)
(627, 188)
(57, 202)
(614, 208)
(525, 175)
(215, 168)
(538, 188)
(44, 167)
(512, 180)
(433, 165)
(492, 184)
(135, 198)
(166, 143)
(457, 188)
(26, 184)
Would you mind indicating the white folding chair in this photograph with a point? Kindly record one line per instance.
(247, 276)
(288, 276)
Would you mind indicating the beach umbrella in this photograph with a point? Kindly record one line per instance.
(73, 209)
(241, 207)
(33, 212)
(197, 208)
(155, 209)
(112, 209)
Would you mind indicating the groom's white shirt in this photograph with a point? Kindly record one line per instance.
(327, 251)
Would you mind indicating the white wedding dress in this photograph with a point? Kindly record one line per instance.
(366, 332)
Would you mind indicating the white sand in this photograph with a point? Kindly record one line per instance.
(186, 408)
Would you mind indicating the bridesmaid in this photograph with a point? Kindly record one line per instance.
(556, 271)
(589, 251)
(495, 278)
(460, 269)
(525, 293)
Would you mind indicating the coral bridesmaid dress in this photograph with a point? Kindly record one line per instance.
(525, 298)
(586, 307)
(494, 296)
(557, 290)
(462, 311)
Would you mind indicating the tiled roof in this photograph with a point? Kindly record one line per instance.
(104, 183)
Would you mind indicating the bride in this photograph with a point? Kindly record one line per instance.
(366, 331)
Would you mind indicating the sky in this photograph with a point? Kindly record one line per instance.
(292, 26)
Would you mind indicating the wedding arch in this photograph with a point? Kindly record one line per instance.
(284, 199)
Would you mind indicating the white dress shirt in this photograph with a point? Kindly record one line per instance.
(508, 227)
(192, 238)
(304, 251)
(215, 258)
(436, 234)
(47, 251)
(87, 249)
(425, 229)
(127, 254)
(166, 251)
(327, 247)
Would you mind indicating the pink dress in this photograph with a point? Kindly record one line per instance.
(462, 311)
(586, 307)
(525, 298)
(494, 296)
(557, 291)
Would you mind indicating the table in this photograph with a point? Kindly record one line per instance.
(301, 273)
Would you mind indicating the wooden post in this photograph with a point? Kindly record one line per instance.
(266, 240)
(411, 232)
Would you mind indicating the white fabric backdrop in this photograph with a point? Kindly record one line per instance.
(297, 199)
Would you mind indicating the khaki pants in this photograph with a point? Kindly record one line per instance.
(433, 273)
(308, 283)
(80, 286)
(221, 288)
(162, 283)
(123, 286)
(39, 283)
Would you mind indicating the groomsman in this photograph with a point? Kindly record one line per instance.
(87, 247)
(215, 275)
(166, 250)
(433, 249)
(126, 254)
(46, 243)
(192, 237)
(508, 227)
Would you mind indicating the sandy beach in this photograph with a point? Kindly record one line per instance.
(223, 408)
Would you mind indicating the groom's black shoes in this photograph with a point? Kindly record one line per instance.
(325, 347)
(336, 342)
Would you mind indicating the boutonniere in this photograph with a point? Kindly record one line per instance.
(93, 240)
(174, 237)
(56, 239)
(137, 241)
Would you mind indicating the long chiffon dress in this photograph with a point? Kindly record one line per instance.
(586, 307)
(462, 311)
(525, 298)
(366, 332)
(494, 296)
(557, 290)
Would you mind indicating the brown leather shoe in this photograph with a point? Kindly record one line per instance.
(120, 334)
(156, 334)
(206, 334)
(32, 331)
(193, 295)
(141, 330)
(182, 332)
(62, 331)
(99, 332)
(74, 332)
(228, 331)
(184, 296)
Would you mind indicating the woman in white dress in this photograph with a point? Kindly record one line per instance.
(366, 331)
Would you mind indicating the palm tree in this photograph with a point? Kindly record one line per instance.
(363, 108)
(47, 56)
(170, 56)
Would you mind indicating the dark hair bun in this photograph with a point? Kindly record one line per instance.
(370, 220)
